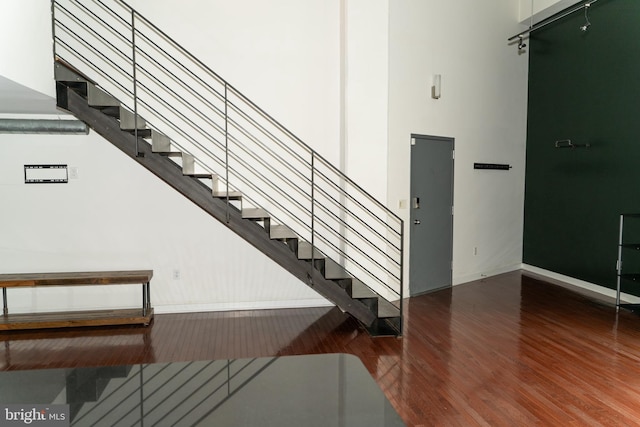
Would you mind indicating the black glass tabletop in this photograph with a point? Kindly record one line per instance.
(311, 390)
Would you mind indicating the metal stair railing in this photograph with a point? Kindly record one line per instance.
(178, 95)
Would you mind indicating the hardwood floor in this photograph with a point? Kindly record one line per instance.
(507, 350)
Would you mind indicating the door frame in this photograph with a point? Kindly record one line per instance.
(415, 136)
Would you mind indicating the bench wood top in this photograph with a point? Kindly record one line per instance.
(125, 277)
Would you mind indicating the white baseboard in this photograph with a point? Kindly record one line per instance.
(458, 280)
(561, 279)
(239, 306)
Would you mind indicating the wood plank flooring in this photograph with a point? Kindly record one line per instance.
(504, 351)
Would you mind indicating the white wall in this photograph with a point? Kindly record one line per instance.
(483, 107)
(367, 81)
(26, 49)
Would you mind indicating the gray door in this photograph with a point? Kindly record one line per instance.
(431, 204)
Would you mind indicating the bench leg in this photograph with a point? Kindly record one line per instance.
(146, 298)
(5, 309)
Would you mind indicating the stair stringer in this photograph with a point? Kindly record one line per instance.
(200, 194)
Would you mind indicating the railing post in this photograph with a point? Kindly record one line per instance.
(226, 144)
(313, 215)
(401, 276)
(53, 28)
(135, 80)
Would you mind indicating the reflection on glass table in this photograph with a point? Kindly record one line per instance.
(313, 390)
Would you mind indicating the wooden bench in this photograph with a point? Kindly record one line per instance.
(77, 318)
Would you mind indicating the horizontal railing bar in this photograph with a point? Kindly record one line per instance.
(176, 96)
(177, 129)
(270, 135)
(202, 116)
(348, 195)
(259, 190)
(114, 13)
(235, 108)
(369, 243)
(95, 68)
(169, 106)
(326, 163)
(354, 216)
(95, 18)
(358, 218)
(179, 64)
(372, 275)
(206, 134)
(299, 173)
(360, 189)
(357, 248)
(270, 168)
(106, 43)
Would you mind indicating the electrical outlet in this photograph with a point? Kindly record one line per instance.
(73, 172)
(176, 274)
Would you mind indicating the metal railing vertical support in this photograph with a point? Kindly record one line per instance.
(226, 144)
(401, 277)
(53, 29)
(135, 80)
(313, 214)
(5, 308)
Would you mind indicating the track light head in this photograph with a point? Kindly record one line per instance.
(521, 44)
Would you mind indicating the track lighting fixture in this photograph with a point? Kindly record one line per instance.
(521, 44)
(586, 6)
(586, 17)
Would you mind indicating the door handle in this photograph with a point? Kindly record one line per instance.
(416, 221)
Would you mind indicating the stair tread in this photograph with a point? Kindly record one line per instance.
(169, 153)
(223, 194)
(304, 251)
(200, 175)
(142, 133)
(110, 111)
(255, 213)
(282, 232)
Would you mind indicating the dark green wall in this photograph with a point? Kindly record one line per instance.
(583, 86)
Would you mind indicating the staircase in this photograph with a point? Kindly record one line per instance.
(213, 145)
